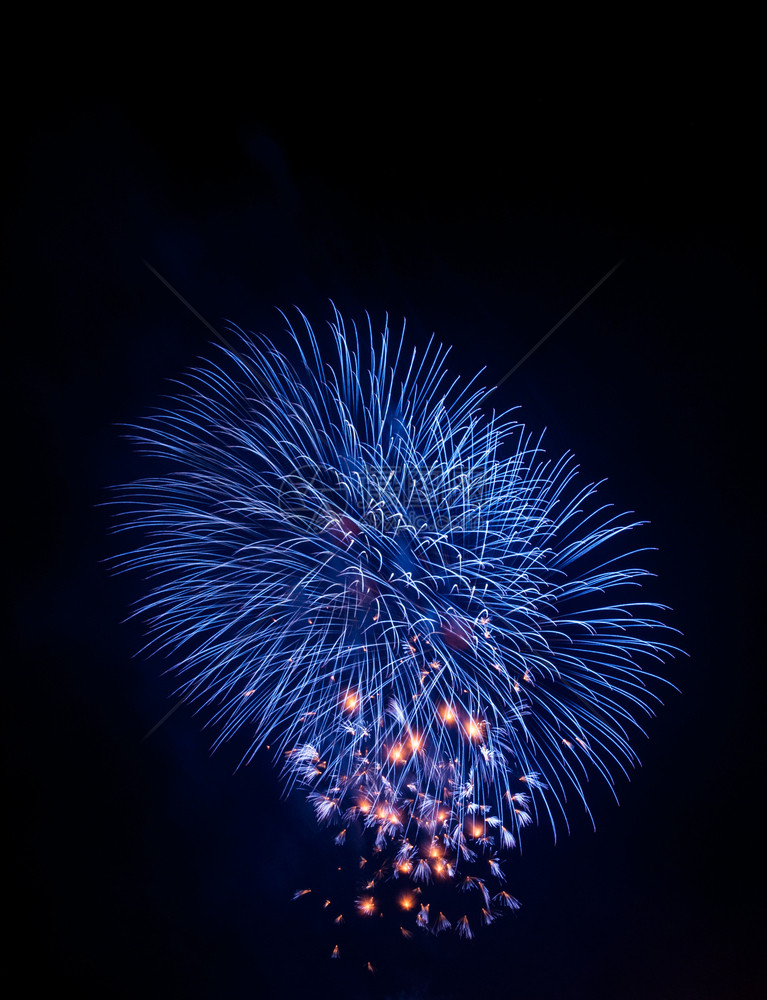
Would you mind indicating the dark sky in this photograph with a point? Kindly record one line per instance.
(148, 867)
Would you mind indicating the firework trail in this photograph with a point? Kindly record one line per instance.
(358, 565)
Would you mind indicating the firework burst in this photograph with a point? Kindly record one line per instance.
(357, 563)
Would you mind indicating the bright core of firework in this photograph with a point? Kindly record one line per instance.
(358, 564)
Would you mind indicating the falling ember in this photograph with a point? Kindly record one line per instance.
(474, 729)
(422, 871)
(504, 899)
(366, 906)
(463, 929)
(447, 714)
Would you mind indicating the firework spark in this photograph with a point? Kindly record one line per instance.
(357, 564)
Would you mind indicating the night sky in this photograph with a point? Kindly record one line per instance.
(151, 868)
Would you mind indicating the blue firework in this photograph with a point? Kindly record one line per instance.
(358, 563)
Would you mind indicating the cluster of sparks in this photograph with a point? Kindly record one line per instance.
(417, 848)
(402, 596)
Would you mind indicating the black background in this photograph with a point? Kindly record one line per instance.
(481, 207)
